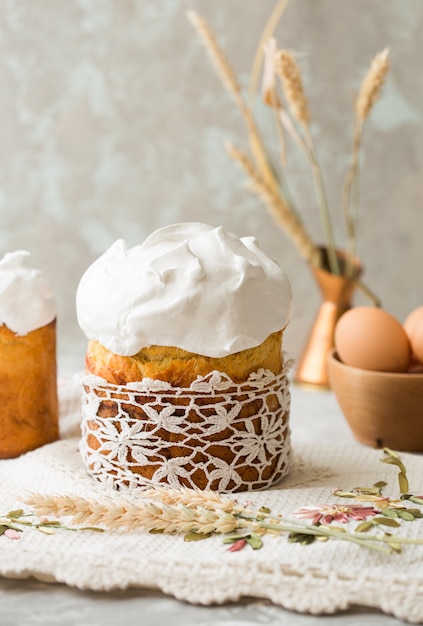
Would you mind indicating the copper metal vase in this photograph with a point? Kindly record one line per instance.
(337, 292)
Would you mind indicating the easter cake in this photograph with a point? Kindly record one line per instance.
(185, 382)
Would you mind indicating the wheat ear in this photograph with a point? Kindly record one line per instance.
(372, 85)
(277, 207)
(191, 498)
(115, 514)
(290, 75)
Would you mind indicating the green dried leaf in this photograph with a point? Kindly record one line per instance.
(264, 509)
(4, 527)
(233, 538)
(193, 536)
(386, 521)
(93, 528)
(301, 538)
(363, 527)
(14, 514)
(390, 513)
(403, 482)
(156, 531)
(370, 491)
(396, 547)
(390, 452)
(406, 515)
(380, 484)
(254, 541)
(46, 530)
(394, 459)
(417, 514)
(344, 494)
(416, 499)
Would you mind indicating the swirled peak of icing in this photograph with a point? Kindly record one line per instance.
(189, 285)
(26, 298)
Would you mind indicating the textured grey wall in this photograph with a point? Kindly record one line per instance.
(113, 124)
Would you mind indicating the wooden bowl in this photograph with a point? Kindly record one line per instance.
(383, 409)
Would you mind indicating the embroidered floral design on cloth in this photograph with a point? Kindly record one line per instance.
(216, 434)
(328, 513)
(202, 514)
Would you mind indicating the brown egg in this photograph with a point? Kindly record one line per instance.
(413, 326)
(372, 339)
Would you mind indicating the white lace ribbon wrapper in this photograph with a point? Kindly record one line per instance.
(216, 434)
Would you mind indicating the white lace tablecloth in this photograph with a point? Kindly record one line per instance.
(318, 578)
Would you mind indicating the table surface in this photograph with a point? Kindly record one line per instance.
(315, 416)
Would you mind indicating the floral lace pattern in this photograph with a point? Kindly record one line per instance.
(216, 434)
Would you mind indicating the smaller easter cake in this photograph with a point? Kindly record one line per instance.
(185, 382)
(28, 391)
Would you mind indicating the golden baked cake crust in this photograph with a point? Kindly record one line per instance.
(28, 391)
(179, 367)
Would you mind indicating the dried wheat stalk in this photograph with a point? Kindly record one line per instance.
(230, 82)
(147, 515)
(218, 58)
(368, 95)
(266, 35)
(289, 73)
(277, 207)
(269, 92)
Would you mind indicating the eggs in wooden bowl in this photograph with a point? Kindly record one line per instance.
(376, 374)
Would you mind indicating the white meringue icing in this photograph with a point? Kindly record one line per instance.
(189, 285)
(26, 298)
